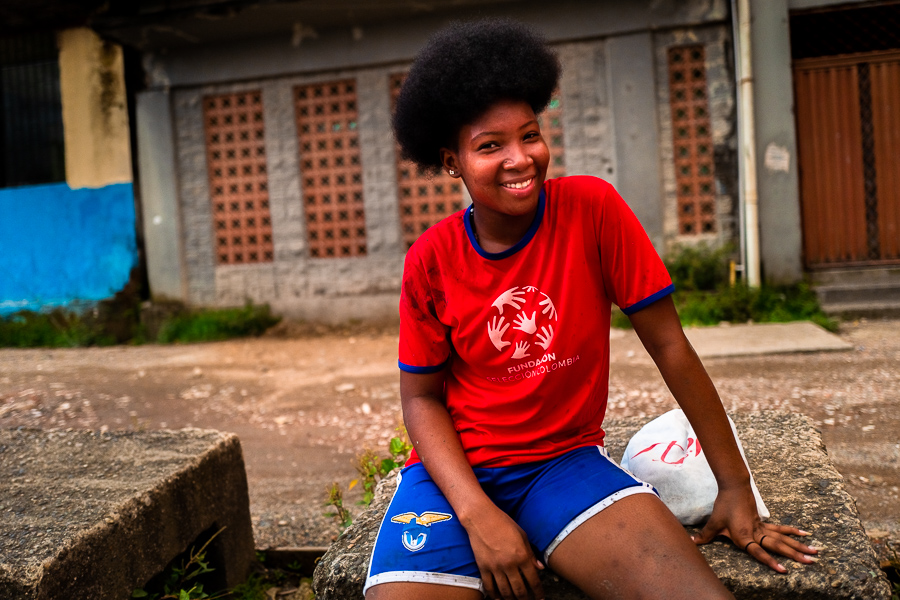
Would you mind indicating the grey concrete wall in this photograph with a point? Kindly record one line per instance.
(779, 191)
(586, 113)
(614, 126)
(399, 40)
(716, 41)
(633, 91)
(294, 284)
(159, 194)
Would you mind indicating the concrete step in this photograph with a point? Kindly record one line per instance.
(96, 515)
(859, 275)
(795, 477)
(862, 292)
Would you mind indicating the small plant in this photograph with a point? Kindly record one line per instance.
(698, 267)
(178, 581)
(372, 469)
(336, 499)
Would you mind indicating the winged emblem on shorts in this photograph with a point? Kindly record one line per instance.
(426, 519)
(415, 534)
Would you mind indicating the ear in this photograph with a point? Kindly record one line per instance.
(450, 162)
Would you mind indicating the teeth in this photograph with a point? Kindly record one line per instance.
(519, 186)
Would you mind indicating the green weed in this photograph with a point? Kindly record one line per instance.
(180, 581)
(56, 329)
(372, 468)
(207, 325)
(703, 295)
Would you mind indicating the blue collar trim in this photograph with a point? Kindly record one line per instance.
(532, 230)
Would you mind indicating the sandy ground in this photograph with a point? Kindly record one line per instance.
(304, 407)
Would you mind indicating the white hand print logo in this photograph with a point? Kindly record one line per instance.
(532, 321)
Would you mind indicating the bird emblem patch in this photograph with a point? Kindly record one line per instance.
(415, 534)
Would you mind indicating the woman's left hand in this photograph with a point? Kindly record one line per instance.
(735, 516)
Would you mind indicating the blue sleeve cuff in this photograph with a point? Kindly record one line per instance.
(649, 300)
(422, 370)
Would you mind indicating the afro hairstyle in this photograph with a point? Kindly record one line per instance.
(461, 72)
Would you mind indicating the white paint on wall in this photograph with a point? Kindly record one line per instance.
(777, 158)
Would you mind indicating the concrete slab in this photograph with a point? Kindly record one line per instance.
(763, 338)
(796, 479)
(95, 515)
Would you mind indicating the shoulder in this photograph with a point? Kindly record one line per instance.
(587, 185)
(578, 190)
(439, 243)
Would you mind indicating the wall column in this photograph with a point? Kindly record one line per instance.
(776, 144)
(634, 114)
(159, 196)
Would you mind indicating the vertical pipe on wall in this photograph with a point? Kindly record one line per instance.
(747, 141)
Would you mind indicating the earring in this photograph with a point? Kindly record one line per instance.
(451, 172)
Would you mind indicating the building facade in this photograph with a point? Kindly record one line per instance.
(268, 171)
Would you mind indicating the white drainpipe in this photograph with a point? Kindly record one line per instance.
(747, 141)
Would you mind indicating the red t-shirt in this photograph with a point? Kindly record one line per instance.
(524, 334)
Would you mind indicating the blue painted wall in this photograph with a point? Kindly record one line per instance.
(64, 247)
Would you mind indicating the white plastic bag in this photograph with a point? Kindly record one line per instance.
(666, 454)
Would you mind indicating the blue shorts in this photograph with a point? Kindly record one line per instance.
(421, 539)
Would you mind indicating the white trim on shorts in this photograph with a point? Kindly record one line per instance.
(463, 581)
(644, 488)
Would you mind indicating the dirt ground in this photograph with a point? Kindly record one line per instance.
(305, 406)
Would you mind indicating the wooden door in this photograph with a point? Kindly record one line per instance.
(848, 128)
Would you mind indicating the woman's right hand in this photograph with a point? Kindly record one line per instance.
(508, 567)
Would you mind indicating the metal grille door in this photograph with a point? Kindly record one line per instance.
(330, 169)
(692, 140)
(238, 182)
(848, 130)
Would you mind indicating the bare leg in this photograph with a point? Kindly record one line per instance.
(635, 549)
(421, 591)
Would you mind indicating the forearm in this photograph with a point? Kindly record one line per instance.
(437, 443)
(661, 333)
(695, 393)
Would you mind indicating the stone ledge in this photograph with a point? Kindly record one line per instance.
(795, 477)
(91, 515)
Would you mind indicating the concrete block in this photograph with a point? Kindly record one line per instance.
(95, 515)
(796, 479)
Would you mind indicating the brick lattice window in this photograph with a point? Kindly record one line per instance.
(692, 140)
(424, 200)
(331, 169)
(552, 130)
(238, 182)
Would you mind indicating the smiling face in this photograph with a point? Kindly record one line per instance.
(502, 159)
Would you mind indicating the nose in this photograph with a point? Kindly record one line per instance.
(517, 158)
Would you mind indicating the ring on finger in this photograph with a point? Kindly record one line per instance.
(761, 541)
(752, 542)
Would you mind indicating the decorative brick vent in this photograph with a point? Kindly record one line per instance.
(552, 130)
(692, 140)
(424, 199)
(238, 182)
(331, 169)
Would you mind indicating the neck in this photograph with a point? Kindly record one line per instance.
(497, 232)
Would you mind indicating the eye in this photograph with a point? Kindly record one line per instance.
(532, 135)
(488, 146)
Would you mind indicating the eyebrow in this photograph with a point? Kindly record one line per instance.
(530, 123)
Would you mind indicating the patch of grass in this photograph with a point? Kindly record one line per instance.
(703, 295)
(56, 329)
(697, 268)
(740, 304)
(106, 326)
(208, 325)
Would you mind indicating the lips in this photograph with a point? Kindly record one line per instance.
(518, 185)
